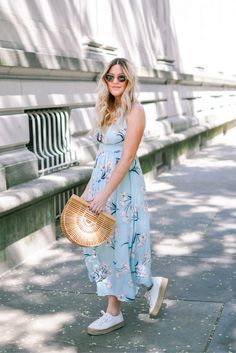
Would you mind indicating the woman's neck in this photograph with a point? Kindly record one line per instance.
(117, 101)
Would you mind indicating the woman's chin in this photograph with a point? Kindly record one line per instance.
(116, 94)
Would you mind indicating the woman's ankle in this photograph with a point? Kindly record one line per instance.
(113, 312)
(113, 306)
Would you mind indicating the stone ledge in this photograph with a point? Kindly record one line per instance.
(24, 194)
(20, 63)
(150, 145)
(15, 62)
(20, 166)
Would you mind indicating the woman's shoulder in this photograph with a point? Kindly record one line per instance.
(137, 111)
(137, 107)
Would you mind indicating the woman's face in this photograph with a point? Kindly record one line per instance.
(116, 81)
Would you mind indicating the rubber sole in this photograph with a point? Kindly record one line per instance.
(157, 307)
(94, 332)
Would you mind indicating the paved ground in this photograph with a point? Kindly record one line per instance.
(47, 302)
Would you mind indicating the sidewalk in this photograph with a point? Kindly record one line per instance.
(47, 302)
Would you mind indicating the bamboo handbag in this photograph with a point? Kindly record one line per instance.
(82, 227)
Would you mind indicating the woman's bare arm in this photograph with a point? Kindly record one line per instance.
(85, 192)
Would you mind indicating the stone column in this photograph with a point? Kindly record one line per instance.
(17, 163)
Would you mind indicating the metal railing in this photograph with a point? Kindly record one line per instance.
(61, 199)
(50, 139)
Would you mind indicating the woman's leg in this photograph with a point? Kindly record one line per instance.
(113, 306)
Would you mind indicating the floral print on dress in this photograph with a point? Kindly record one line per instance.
(105, 171)
(100, 272)
(122, 264)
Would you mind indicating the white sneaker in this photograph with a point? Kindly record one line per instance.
(105, 324)
(156, 295)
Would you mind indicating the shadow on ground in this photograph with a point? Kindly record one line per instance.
(47, 302)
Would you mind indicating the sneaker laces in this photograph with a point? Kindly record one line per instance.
(105, 317)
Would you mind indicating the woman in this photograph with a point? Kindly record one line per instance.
(120, 266)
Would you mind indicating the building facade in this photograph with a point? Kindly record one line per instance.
(51, 53)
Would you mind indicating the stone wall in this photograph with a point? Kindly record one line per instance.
(51, 53)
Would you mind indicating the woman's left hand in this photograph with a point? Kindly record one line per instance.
(98, 203)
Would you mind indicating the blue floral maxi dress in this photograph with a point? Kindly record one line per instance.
(122, 264)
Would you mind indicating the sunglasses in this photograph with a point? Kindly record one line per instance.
(110, 78)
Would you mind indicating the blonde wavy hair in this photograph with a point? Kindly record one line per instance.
(106, 108)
